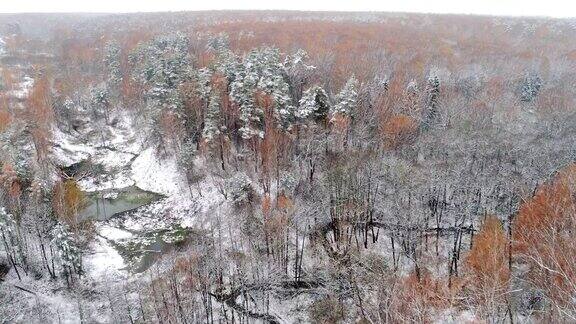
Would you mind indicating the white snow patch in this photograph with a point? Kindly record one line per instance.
(113, 233)
(105, 261)
(91, 184)
(154, 175)
(66, 152)
(22, 89)
(112, 159)
(454, 316)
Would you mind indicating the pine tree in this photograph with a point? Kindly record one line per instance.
(261, 72)
(314, 104)
(5, 220)
(530, 88)
(163, 64)
(10, 240)
(242, 93)
(298, 72)
(247, 81)
(284, 111)
(68, 251)
(227, 63)
(212, 119)
(240, 189)
(112, 62)
(203, 86)
(100, 102)
(218, 43)
(7, 226)
(186, 157)
(347, 99)
(433, 93)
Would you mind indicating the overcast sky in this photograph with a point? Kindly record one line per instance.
(555, 8)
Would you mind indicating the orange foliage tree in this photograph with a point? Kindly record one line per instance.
(11, 188)
(68, 200)
(544, 240)
(487, 265)
(416, 298)
(398, 129)
(4, 115)
(39, 115)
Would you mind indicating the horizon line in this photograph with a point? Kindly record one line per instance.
(285, 11)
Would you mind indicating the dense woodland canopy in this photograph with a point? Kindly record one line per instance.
(335, 168)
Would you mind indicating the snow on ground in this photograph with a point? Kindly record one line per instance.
(111, 160)
(116, 176)
(126, 163)
(182, 202)
(122, 135)
(104, 261)
(66, 151)
(113, 233)
(454, 316)
(120, 181)
(162, 177)
(22, 89)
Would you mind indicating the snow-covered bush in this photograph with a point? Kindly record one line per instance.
(240, 189)
(288, 183)
(6, 221)
(530, 87)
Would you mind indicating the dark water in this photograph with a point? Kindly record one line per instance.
(101, 209)
(143, 250)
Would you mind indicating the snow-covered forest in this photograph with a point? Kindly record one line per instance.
(287, 167)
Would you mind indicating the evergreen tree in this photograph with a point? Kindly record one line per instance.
(163, 64)
(212, 119)
(240, 189)
(530, 87)
(227, 63)
(68, 251)
(347, 98)
(8, 233)
(262, 71)
(433, 93)
(112, 62)
(298, 72)
(218, 43)
(186, 157)
(284, 111)
(100, 101)
(242, 93)
(6, 221)
(203, 87)
(314, 104)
